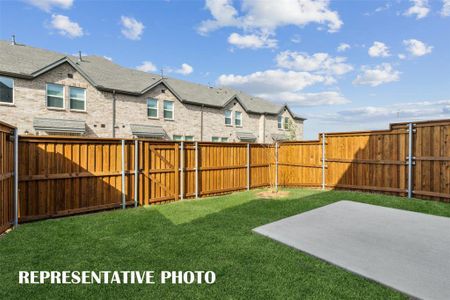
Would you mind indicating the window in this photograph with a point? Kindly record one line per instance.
(6, 90)
(183, 138)
(219, 139)
(228, 117)
(77, 98)
(55, 96)
(280, 122)
(237, 118)
(152, 108)
(168, 110)
(286, 123)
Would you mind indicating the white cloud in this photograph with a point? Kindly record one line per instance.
(66, 27)
(420, 8)
(283, 86)
(399, 112)
(48, 5)
(402, 56)
(445, 11)
(296, 39)
(379, 49)
(271, 81)
(417, 48)
(380, 74)
(343, 47)
(267, 16)
(147, 66)
(132, 29)
(321, 63)
(252, 41)
(185, 69)
(308, 99)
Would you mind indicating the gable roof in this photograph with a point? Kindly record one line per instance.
(30, 62)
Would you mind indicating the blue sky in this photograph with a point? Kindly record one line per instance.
(393, 63)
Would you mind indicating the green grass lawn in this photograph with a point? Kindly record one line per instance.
(207, 234)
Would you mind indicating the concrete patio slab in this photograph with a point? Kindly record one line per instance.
(404, 250)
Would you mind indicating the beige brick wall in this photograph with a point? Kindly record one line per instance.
(30, 102)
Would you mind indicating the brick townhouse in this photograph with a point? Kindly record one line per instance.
(48, 93)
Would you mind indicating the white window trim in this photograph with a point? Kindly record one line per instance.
(46, 97)
(225, 118)
(173, 110)
(234, 119)
(85, 100)
(157, 108)
(280, 125)
(13, 102)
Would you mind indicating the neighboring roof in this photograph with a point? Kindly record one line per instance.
(279, 137)
(30, 62)
(59, 125)
(147, 131)
(245, 136)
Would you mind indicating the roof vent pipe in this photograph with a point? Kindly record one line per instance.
(13, 40)
(79, 56)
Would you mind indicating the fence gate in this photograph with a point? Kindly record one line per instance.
(6, 177)
(159, 172)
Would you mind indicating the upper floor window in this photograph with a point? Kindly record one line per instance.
(187, 138)
(237, 118)
(6, 90)
(286, 123)
(55, 95)
(219, 139)
(152, 108)
(280, 122)
(228, 117)
(77, 98)
(168, 110)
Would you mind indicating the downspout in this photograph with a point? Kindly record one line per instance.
(201, 124)
(264, 128)
(114, 114)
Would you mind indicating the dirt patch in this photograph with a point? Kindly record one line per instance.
(272, 194)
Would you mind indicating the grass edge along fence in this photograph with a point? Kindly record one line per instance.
(68, 175)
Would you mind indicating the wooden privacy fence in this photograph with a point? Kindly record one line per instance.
(7, 199)
(409, 158)
(66, 175)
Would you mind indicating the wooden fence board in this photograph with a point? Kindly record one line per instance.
(6, 177)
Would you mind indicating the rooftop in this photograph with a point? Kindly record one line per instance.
(29, 62)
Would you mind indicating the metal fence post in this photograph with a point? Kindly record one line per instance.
(276, 167)
(16, 177)
(410, 158)
(123, 174)
(248, 166)
(196, 169)
(136, 173)
(323, 161)
(182, 171)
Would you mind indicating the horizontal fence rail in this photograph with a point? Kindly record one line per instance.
(60, 176)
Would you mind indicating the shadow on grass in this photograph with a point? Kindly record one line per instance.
(208, 234)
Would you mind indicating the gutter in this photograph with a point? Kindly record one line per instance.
(114, 114)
